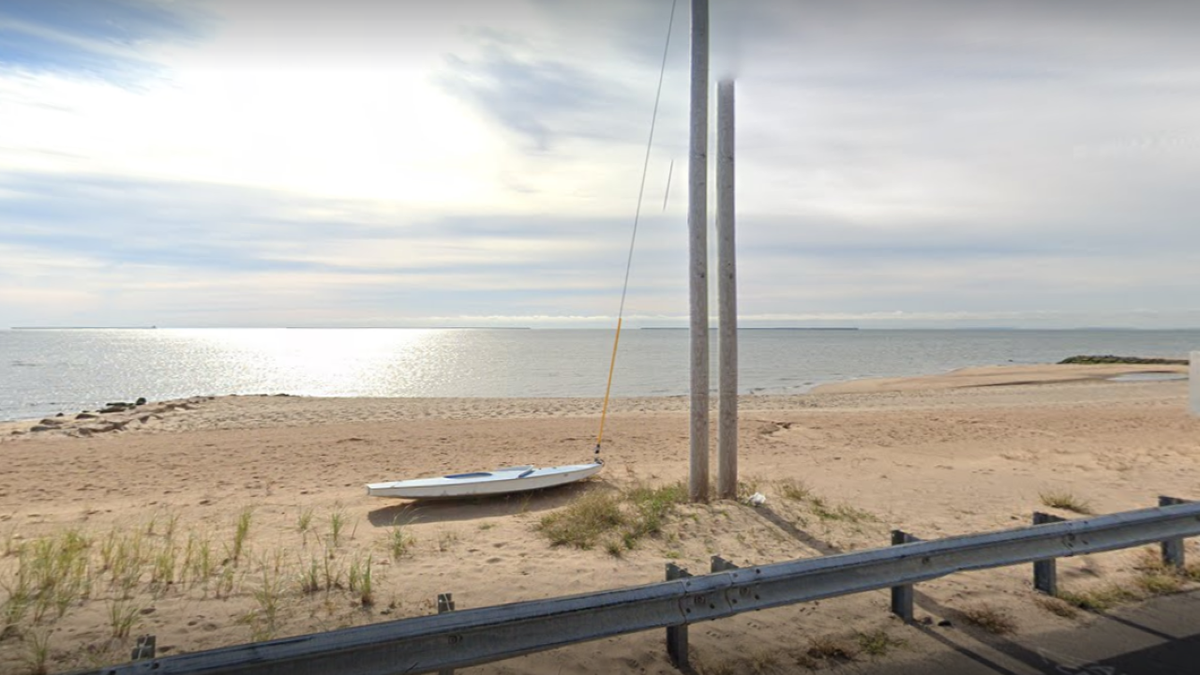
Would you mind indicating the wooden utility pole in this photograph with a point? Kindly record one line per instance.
(727, 406)
(698, 251)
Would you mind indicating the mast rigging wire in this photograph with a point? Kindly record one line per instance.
(636, 217)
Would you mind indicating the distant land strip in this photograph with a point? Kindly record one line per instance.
(1109, 358)
(757, 328)
(408, 328)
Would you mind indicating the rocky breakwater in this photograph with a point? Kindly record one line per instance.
(114, 416)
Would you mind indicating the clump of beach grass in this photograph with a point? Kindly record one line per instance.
(826, 511)
(1156, 577)
(310, 577)
(121, 570)
(990, 619)
(1056, 606)
(52, 573)
(878, 642)
(583, 522)
(337, 521)
(332, 571)
(359, 580)
(162, 573)
(304, 520)
(200, 563)
(793, 489)
(653, 505)
(172, 522)
(20, 595)
(828, 648)
(620, 518)
(746, 487)
(400, 542)
(38, 642)
(764, 661)
(1066, 501)
(1099, 599)
(446, 540)
(240, 533)
(1192, 571)
(122, 617)
(267, 595)
(1160, 583)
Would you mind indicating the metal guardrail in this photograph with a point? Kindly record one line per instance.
(474, 636)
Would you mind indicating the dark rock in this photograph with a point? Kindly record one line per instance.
(43, 427)
(114, 408)
(85, 416)
(945, 623)
(59, 415)
(50, 422)
(140, 401)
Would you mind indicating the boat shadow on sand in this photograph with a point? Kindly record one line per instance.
(408, 512)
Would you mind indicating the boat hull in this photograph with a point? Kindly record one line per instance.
(483, 483)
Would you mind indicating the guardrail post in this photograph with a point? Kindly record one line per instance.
(144, 649)
(902, 596)
(445, 604)
(719, 564)
(1045, 572)
(1172, 549)
(677, 636)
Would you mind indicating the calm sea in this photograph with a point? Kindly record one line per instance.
(47, 371)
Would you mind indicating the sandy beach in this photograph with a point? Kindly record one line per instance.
(148, 489)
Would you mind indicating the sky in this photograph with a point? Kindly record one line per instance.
(202, 163)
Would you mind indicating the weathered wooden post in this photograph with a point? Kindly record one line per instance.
(1194, 381)
(727, 402)
(698, 252)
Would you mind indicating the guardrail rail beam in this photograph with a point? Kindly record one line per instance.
(474, 636)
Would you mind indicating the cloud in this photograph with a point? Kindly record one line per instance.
(176, 252)
(119, 40)
(389, 163)
(541, 100)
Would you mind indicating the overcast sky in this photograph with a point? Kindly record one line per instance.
(371, 163)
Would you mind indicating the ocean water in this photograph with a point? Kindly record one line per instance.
(43, 372)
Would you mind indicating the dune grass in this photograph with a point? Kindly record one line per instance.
(622, 518)
(123, 571)
(993, 620)
(1066, 501)
(1099, 599)
(1056, 606)
(878, 643)
(834, 649)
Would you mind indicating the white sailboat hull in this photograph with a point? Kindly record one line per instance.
(496, 482)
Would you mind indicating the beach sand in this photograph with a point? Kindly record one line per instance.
(964, 452)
